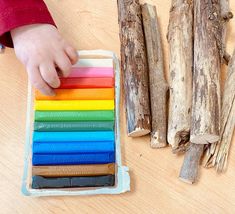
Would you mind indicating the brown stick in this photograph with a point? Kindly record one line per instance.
(206, 87)
(74, 170)
(228, 118)
(180, 38)
(226, 15)
(134, 68)
(158, 84)
(191, 163)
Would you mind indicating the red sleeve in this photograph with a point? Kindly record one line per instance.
(16, 13)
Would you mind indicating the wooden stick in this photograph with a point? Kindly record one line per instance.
(206, 88)
(228, 118)
(180, 38)
(134, 68)
(158, 84)
(191, 162)
(226, 15)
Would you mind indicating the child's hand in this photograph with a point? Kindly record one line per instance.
(43, 51)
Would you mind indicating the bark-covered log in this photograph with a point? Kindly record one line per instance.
(180, 38)
(206, 88)
(226, 15)
(157, 83)
(228, 118)
(134, 68)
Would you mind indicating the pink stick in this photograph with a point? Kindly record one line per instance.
(91, 72)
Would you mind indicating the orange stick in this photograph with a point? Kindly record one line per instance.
(78, 94)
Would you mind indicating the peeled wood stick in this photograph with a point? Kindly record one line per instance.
(226, 15)
(158, 84)
(180, 38)
(134, 68)
(228, 117)
(206, 88)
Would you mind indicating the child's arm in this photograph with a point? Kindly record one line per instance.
(28, 26)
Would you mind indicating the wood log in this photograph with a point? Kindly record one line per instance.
(228, 118)
(134, 68)
(206, 88)
(180, 38)
(226, 15)
(157, 83)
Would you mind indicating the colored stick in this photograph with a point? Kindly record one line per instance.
(74, 105)
(78, 94)
(74, 170)
(73, 159)
(73, 147)
(39, 182)
(105, 82)
(92, 72)
(94, 63)
(74, 115)
(74, 126)
(73, 136)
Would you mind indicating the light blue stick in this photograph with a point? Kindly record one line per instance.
(73, 136)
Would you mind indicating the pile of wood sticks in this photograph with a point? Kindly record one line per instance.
(190, 113)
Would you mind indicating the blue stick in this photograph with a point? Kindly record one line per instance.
(73, 159)
(73, 136)
(72, 147)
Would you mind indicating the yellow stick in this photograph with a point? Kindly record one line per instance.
(74, 105)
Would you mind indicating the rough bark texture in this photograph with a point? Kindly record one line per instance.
(134, 68)
(206, 88)
(228, 118)
(158, 85)
(226, 15)
(180, 38)
(191, 163)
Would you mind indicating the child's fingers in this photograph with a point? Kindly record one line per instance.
(72, 54)
(49, 74)
(63, 63)
(37, 81)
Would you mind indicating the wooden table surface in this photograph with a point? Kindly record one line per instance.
(155, 187)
